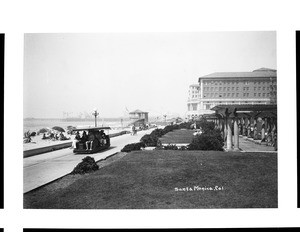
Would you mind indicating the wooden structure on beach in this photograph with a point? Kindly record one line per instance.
(138, 118)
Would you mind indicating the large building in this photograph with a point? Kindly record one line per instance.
(228, 88)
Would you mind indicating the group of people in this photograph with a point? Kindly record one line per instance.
(93, 137)
(55, 136)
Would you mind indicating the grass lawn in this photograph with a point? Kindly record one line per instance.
(148, 180)
(178, 136)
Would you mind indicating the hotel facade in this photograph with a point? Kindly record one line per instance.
(231, 88)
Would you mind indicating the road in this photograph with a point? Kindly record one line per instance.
(44, 168)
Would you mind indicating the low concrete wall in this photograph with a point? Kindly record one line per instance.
(41, 150)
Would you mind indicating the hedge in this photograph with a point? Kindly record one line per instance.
(87, 165)
(206, 142)
(133, 147)
(152, 138)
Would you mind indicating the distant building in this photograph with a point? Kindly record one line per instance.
(138, 117)
(227, 88)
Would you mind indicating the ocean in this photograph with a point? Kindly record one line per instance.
(33, 124)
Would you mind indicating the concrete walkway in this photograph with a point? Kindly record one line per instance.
(44, 168)
(249, 146)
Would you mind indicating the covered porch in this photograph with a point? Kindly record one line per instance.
(257, 123)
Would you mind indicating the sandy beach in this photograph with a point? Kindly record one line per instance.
(37, 141)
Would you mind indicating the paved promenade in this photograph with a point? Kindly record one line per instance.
(249, 146)
(44, 168)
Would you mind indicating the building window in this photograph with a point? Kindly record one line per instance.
(264, 94)
(258, 88)
(207, 107)
(244, 94)
(220, 88)
(232, 95)
(237, 88)
(224, 88)
(228, 89)
(228, 94)
(232, 88)
(254, 94)
(259, 94)
(237, 94)
(247, 94)
(264, 88)
(194, 107)
(254, 88)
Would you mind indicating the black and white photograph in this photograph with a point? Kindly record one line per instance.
(150, 120)
(149, 114)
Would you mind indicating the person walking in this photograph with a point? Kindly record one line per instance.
(133, 130)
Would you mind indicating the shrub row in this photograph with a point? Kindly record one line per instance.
(152, 138)
(205, 126)
(209, 139)
(206, 142)
(133, 147)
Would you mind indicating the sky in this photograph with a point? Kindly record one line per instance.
(116, 72)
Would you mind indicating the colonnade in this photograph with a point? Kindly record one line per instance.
(262, 129)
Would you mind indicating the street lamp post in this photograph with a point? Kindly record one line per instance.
(95, 113)
(165, 117)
